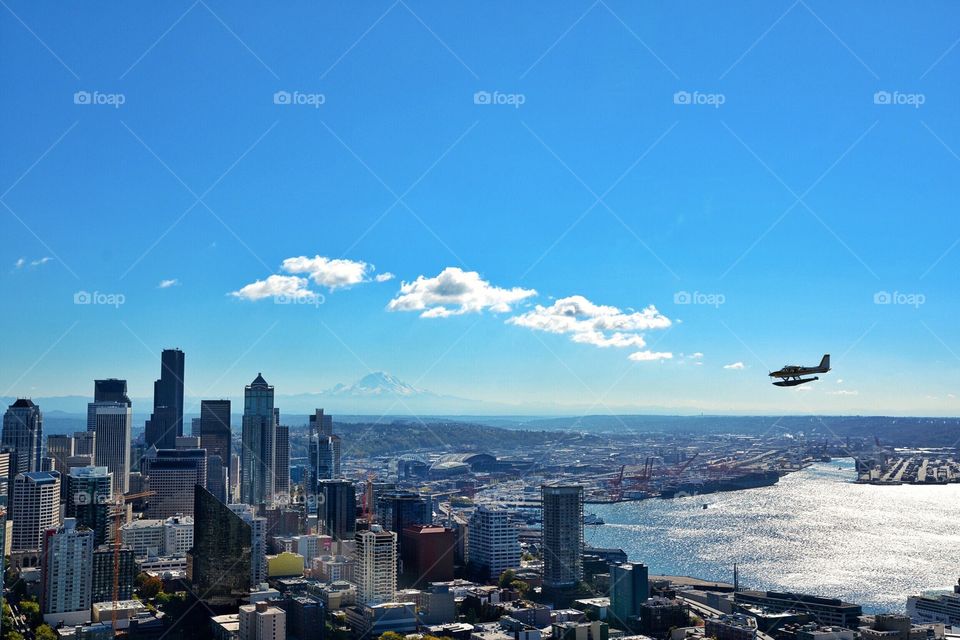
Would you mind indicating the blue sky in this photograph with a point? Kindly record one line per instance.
(742, 155)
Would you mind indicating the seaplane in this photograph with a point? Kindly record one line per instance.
(792, 375)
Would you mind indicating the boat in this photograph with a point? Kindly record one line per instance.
(592, 519)
(936, 607)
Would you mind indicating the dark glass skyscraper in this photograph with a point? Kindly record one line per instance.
(337, 508)
(23, 432)
(562, 535)
(166, 421)
(219, 563)
(215, 438)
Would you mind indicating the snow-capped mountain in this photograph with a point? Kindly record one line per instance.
(378, 383)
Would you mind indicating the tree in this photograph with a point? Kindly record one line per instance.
(506, 578)
(44, 632)
(520, 586)
(151, 587)
(31, 611)
(391, 635)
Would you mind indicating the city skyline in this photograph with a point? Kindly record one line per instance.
(591, 159)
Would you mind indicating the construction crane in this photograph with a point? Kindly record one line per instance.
(119, 510)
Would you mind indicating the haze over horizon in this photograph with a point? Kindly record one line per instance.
(601, 206)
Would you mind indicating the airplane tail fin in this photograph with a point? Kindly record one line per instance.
(825, 363)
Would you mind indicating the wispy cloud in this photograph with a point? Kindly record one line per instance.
(735, 365)
(166, 284)
(598, 325)
(330, 273)
(843, 392)
(39, 262)
(455, 292)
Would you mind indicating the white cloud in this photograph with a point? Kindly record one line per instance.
(384, 277)
(951, 395)
(330, 273)
(455, 292)
(166, 284)
(695, 356)
(843, 392)
(735, 365)
(647, 356)
(41, 261)
(19, 263)
(600, 325)
(286, 286)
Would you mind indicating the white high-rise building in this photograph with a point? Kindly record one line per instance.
(159, 538)
(258, 543)
(493, 542)
(262, 621)
(375, 566)
(112, 422)
(67, 574)
(36, 508)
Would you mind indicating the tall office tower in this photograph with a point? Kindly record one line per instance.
(6, 478)
(89, 495)
(110, 418)
(215, 438)
(67, 573)
(195, 427)
(281, 463)
(337, 509)
(171, 475)
(23, 433)
(258, 437)
(60, 447)
(399, 509)
(427, 555)
(263, 621)
(233, 477)
(629, 588)
(166, 421)
(493, 543)
(3, 546)
(320, 423)
(219, 563)
(258, 541)
(562, 535)
(103, 570)
(375, 566)
(327, 463)
(36, 508)
(84, 443)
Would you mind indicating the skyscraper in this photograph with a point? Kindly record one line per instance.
(36, 508)
(399, 509)
(67, 573)
(171, 475)
(103, 570)
(89, 495)
(375, 566)
(258, 439)
(110, 418)
(215, 438)
(493, 543)
(23, 433)
(327, 462)
(258, 541)
(562, 535)
(337, 509)
(166, 421)
(84, 443)
(219, 563)
(60, 448)
(629, 588)
(320, 423)
(281, 462)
